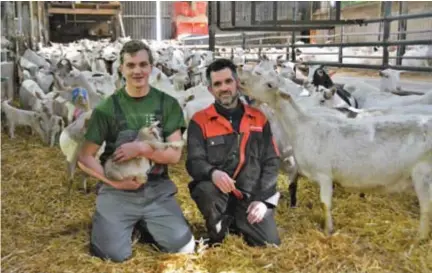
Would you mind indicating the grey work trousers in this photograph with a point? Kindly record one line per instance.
(153, 207)
(216, 207)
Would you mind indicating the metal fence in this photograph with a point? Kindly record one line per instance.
(139, 19)
(392, 32)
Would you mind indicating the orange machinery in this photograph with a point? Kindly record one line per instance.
(190, 18)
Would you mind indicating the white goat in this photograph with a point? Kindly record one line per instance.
(382, 153)
(138, 167)
(70, 142)
(19, 117)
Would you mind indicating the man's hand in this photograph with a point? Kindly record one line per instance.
(223, 181)
(126, 184)
(256, 212)
(131, 150)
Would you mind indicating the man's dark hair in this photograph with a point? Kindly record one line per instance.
(218, 65)
(132, 47)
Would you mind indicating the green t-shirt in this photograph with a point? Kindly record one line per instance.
(138, 112)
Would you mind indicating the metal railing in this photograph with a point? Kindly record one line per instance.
(287, 42)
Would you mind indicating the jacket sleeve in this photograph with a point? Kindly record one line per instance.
(270, 163)
(196, 163)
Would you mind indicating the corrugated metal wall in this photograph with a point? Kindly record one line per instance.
(139, 19)
(264, 11)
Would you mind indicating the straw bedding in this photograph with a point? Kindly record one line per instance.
(46, 230)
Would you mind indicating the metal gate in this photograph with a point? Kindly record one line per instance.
(139, 19)
(266, 16)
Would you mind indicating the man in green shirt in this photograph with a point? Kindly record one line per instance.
(120, 205)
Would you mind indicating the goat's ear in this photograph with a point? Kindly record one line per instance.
(284, 95)
(38, 95)
(154, 124)
(189, 98)
(333, 90)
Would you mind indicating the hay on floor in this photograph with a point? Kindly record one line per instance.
(46, 230)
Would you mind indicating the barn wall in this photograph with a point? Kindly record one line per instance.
(139, 19)
(264, 11)
(371, 11)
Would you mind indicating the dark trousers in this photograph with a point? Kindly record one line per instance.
(216, 207)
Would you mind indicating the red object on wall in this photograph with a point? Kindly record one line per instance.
(191, 28)
(190, 18)
(189, 9)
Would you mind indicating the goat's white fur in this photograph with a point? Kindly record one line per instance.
(139, 166)
(19, 117)
(385, 152)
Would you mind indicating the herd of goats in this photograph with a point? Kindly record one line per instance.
(354, 134)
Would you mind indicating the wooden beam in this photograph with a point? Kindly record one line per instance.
(83, 11)
(114, 5)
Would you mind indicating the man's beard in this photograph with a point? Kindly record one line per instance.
(227, 103)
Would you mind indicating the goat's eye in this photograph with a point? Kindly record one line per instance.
(269, 85)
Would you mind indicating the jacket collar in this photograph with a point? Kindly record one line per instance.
(212, 113)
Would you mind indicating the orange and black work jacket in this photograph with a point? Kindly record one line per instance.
(240, 144)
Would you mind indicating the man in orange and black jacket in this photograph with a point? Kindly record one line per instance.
(234, 162)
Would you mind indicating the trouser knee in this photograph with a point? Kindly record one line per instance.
(255, 240)
(210, 201)
(181, 244)
(112, 253)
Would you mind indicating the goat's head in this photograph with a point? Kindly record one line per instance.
(80, 97)
(262, 89)
(64, 67)
(151, 132)
(47, 103)
(390, 80)
(325, 95)
(287, 70)
(319, 76)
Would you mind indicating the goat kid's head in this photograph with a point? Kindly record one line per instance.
(151, 132)
(47, 103)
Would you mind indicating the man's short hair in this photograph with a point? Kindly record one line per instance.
(132, 47)
(218, 65)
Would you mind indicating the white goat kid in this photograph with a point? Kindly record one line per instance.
(19, 117)
(339, 150)
(70, 142)
(138, 167)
